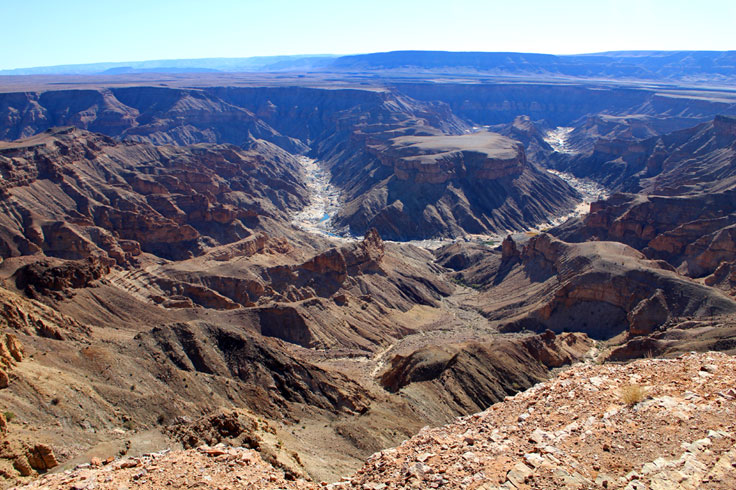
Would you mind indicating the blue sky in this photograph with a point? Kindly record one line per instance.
(54, 32)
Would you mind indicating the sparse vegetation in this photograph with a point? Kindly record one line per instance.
(632, 394)
(9, 415)
(461, 282)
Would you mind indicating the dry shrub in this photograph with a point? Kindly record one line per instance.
(632, 394)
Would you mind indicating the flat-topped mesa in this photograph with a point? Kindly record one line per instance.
(437, 159)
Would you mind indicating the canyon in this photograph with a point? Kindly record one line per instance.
(312, 267)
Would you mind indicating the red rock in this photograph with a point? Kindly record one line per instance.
(41, 457)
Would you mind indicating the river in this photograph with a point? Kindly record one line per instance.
(557, 139)
(317, 216)
(324, 200)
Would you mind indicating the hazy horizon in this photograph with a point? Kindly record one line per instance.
(327, 55)
(46, 33)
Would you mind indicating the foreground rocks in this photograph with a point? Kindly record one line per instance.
(577, 432)
(205, 467)
(583, 429)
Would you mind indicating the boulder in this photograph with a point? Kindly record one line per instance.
(21, 465)
(42, 458)
(649, 314)
(509, 251)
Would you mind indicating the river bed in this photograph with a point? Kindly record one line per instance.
(317, 216)
(324, 203)
(557, 139)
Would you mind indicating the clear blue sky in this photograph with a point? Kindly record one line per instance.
(55, 32)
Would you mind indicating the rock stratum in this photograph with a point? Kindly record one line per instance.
(73, 194)
(476, 183)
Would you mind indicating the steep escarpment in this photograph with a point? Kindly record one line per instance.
(437, 159)
(148, 114)
(71, 194)
(689, 161)
(435, 185)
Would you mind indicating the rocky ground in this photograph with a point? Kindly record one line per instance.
(652, 424)
(205, 467)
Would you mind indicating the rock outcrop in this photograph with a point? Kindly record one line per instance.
(275, 377)
(43, 278)
(11, 352)
(33, 318)
(471, 377)
(83, 194)
(424, 184)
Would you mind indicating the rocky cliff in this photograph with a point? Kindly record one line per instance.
(71, 194)
(689, 161)
(437, 159)
(351, 130)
